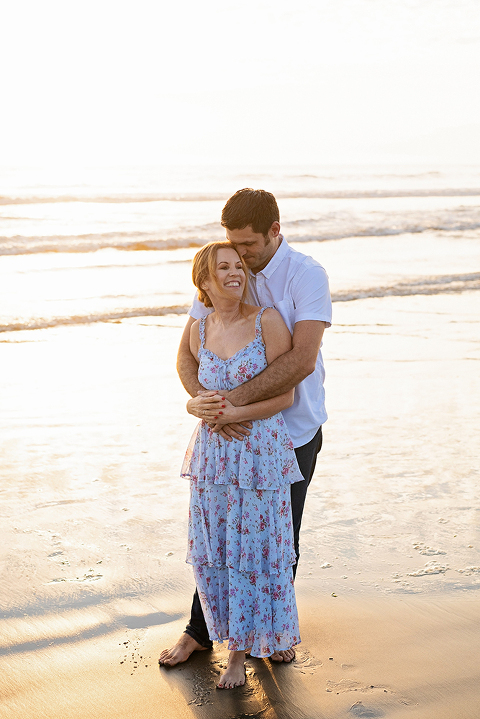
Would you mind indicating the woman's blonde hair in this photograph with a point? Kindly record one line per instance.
(205, 268)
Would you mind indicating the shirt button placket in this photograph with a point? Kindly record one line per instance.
(261, 289)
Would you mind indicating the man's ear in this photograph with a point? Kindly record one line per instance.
(274, 230)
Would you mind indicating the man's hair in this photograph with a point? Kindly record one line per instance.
(205, 268)
(256, 208)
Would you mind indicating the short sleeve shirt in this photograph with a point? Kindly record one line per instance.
(297, 286)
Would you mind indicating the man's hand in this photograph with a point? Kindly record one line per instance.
(232, 431)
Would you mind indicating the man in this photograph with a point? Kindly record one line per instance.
(297, 286)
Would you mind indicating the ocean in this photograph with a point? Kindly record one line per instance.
(99, 244)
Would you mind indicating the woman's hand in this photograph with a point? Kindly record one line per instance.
(213, 408)
(197, 405)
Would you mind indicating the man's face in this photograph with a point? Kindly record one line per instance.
(256, 250)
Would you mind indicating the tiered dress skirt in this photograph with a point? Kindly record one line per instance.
(240, 533)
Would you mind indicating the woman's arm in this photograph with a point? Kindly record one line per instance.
(215, 408)
(187, 368)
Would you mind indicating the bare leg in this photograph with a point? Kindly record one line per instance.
(180, 652)
(234, 675)
(286, 655)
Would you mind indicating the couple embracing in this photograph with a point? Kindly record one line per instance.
(250, 359)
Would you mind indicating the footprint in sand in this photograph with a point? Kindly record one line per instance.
(348, 685)
(202, 682)
(306, 663)
(359, 710)
(89, 576)
(384, 697)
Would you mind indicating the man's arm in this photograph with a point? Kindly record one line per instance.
(187, 365)
(313, 307)
(286, 371)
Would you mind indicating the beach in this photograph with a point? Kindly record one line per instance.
(93, 432)
(371, 658)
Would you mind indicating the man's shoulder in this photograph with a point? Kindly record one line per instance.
(300, 261)
(198, 309)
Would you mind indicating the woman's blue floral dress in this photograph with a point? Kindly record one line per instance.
(240, 535)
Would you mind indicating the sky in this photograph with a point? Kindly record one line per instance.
(310, 82)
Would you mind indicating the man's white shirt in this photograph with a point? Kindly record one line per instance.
(297, 286)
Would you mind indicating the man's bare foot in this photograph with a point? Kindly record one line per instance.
(234, 675)
(285, 655)
(180, 651)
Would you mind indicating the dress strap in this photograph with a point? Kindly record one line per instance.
(258, 324)
(201, 330)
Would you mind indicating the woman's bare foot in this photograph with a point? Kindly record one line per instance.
(180, 652)
(234, 675)
(285, 655)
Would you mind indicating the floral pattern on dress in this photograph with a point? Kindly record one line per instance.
(240, 533)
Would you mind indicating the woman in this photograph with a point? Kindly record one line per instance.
(240, 528)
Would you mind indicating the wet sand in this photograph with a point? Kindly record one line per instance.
(93, 577)
(411, 657)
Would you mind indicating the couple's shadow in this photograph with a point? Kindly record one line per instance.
(271, 691)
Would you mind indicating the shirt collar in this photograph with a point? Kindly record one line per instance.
(277, 258)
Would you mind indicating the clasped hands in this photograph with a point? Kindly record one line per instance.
(220, 414)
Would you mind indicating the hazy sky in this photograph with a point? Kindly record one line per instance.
(258, 81)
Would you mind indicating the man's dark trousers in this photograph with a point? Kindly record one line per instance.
(307, 459)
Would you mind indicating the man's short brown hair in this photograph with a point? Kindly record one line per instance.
(256, 208)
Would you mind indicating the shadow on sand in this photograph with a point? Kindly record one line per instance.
(272, 691)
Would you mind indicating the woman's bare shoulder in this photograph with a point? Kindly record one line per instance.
(276, 335)
(195, 337)
(195, 328)
(271, 318)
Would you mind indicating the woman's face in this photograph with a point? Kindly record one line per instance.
(229, 275)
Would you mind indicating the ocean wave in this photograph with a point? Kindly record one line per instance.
(40, 323)
(124, 198)
(384, 231)
(128, 241)
(376, 175)
(419, 286)
(326, 229)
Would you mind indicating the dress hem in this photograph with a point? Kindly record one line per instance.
(257, 656)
